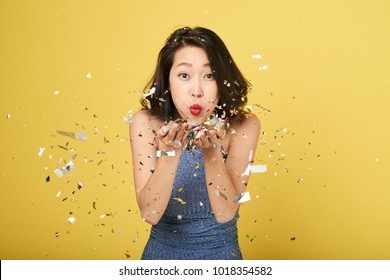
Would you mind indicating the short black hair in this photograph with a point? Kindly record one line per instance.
(232, 85)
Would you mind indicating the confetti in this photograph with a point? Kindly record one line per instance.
(58, 194)
(151, 92)
(47, 179)
(8, 116)
(79, 186)
(60, 171)
(89, 76)
(247, 171)
(57, 234)
(72, 220)
(243, 197)
(264, 67)
(221, 194)
(180, 200)
(81, 136)
(129, 117)
(259, 168)
(66, 133)
(256, 56)
(56, 92)
(41, 150)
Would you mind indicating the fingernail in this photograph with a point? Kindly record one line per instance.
(165, 128)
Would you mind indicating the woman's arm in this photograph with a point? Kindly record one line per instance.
(154, 176)
(227, 179)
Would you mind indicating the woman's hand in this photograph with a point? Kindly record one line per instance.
(172, 136)
(211, 138)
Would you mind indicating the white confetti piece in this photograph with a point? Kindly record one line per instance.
(243, 197)
(89, 76)
(60, 171)
(259, 168)
(256, 56)
(264, 67)
(72, 220)
(247, 171)
(8, 116)
(81, 136)
(151, 92)
(41, 150)
(56, 92)
(58, 194)
(128, 117)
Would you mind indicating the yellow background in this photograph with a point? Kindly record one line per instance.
(326, 140)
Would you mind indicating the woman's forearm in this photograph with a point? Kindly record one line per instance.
(154, 196)
(220, 187)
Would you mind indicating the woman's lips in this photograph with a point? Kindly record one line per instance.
(196, 109)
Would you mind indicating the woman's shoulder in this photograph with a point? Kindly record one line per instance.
(245, 122)
(143, 117)
(145, 124)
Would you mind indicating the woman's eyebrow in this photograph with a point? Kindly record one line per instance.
(190, 64)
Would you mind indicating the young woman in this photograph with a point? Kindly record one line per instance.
(192, 144)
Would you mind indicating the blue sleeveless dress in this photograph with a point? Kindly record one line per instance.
(188, 229)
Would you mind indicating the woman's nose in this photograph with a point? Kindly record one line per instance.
(197, 94)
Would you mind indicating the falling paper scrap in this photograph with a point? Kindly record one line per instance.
(255, 168)
(259, 168)
(128, 117)
(80, 136)
(41, 150)
(60, 171)
(243, 197)
(72, 220)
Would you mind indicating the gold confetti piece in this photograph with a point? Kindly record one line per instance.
(66, 133)
(180, 200)
(127, 254)
(8, 116)
(180, 190)
(244, 135)
(220, 194)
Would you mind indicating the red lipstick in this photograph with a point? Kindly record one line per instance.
(196, 109)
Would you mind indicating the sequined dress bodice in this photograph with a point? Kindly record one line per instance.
(188, 228)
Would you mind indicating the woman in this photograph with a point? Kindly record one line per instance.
(192, 145)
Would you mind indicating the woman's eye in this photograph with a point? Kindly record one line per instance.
(183, 75)
(209, 76)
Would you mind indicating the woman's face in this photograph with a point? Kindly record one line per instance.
(192, 84)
